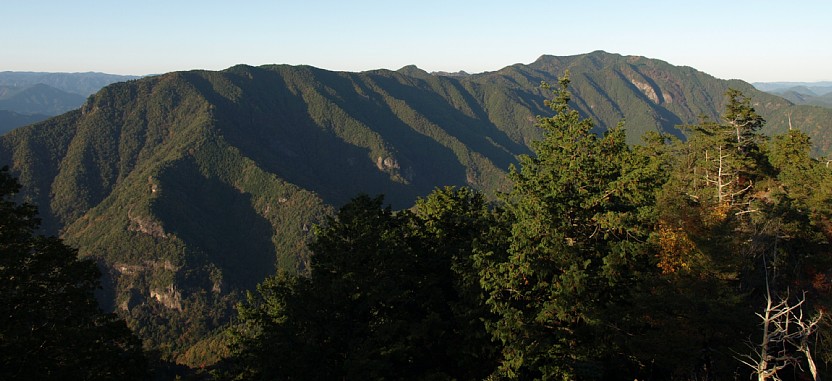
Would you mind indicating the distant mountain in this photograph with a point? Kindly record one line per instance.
(814, 88)
(38, 99)
(799, 96)
(458, 74)
(10, 120)
(190, 187)
(802, 93)
(83, 84)
(29, 97)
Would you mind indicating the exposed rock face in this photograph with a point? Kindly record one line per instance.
(145, 225)
(645, 88)
(132, 275)
(385, 164)
(169, 297)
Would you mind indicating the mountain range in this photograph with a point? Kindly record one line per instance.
(188, 188)
(38, 99)
(84, 84)
(802, 93)
(29, 97)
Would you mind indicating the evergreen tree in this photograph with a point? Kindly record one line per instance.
(50, 323)
(580, 213)
(389, 296)
(804, 204)
(454, 224)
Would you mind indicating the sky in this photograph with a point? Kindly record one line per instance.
(756, 41)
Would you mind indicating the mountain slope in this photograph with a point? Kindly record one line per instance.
(190, 187)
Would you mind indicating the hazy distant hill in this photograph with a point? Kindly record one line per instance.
(10, 120)
(189, 187)
(38, 99)
(816, 88)
(804, 93)
(78, 83)
(34, 96)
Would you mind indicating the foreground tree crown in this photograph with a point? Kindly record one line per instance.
(50, 324)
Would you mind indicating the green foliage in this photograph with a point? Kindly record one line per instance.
(655, 254)
(389, 295)
(50, 324)
(806, 179)
(574, 252)
(734, 226)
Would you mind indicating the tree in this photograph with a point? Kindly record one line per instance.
(741, 117)
(720, 162)
(580, 212)
(389, 296)
(804, 199)
(741, 218)
(785, 339)
(706, 244)
(454, 224)
(50, 323)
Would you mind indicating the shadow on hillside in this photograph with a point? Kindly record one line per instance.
(217, 222)
(271, 122)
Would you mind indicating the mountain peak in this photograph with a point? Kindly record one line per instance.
(413, 71)
(459, 74)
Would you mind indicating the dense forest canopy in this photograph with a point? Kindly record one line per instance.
(604, 261)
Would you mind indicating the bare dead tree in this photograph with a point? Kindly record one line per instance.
(725, 180)
(805, 329)
(785, 340)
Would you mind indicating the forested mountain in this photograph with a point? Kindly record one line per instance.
(189, 188)
(703, 259)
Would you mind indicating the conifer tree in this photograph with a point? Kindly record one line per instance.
(580, 213)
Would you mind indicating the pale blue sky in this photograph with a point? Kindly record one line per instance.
(749, 40)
